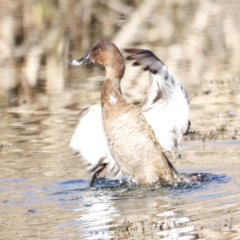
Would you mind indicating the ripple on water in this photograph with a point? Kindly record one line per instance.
(43, 191)
(112, 209)
(99, 207)
(117, 209)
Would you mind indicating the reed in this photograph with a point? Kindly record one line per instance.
(198, 40)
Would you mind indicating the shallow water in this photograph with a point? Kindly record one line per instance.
(45, 191)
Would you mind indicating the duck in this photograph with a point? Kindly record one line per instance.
(132, 146)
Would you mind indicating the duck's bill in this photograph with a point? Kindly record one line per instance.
(83, 60)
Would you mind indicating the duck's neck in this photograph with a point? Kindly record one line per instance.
(111, 93)
(111, 90)
(112, 85)
(114, 74)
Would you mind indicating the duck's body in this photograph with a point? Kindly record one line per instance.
(130, 139)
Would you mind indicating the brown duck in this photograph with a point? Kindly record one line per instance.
(131, 140)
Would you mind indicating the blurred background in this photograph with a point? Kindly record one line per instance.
(44, 187)
(198, 40)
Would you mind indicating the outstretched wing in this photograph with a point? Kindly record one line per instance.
(166, 104)
(89, 142)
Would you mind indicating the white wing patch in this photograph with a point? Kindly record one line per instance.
(89, 140)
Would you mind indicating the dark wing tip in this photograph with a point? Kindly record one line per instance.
(131, 57)
(136, 64)
(188, 128)
(135, 51)
(146, 68)
(146, 58)
(129, 50)
(153, 71)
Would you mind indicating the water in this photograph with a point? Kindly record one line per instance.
(45, 191)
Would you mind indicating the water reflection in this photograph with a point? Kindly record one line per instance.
(45, 190)
(120, 211)
(173, 227)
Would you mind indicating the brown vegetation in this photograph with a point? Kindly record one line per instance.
(198, 40)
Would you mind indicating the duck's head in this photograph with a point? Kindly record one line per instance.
(107, 55)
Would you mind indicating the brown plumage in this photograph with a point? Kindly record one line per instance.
(131, 140)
